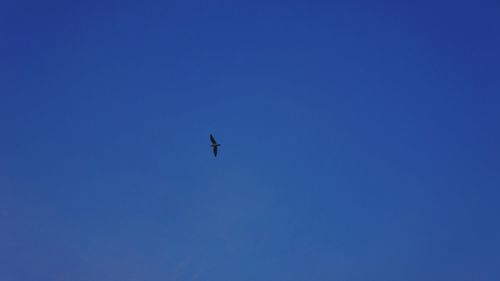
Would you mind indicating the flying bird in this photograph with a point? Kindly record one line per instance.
(214, 145)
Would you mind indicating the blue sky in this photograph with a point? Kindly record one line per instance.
(360, 140)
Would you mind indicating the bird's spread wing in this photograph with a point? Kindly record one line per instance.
(215, 151)
(212, 139)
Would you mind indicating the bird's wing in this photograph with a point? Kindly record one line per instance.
(215, 151)
(212, 139)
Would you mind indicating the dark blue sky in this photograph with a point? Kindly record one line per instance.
(360, 140)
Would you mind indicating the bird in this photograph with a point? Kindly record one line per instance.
(214, 145)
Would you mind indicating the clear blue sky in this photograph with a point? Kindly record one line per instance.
(360, 140)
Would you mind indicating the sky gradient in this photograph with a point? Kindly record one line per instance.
(359, 140)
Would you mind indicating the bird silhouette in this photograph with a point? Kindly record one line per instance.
(214, 145)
